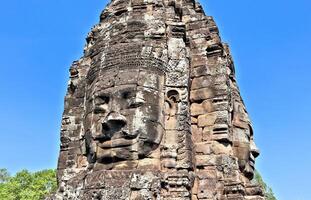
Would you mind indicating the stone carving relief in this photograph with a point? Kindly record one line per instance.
(244, 147)
(124, 116)
(153, 110)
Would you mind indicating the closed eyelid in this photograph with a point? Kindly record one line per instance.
(140, 99)
(102, 98)
(128, 94)
(137, 100)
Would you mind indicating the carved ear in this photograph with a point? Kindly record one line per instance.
(172, 98)
(173, 95)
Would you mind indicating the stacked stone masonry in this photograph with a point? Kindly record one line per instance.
(153, 110)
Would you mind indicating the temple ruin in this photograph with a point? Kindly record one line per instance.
(153, 110)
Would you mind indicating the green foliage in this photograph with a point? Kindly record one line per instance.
(268, 191)
(28, 186)
(4, 175)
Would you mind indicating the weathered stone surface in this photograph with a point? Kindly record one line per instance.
(202, 108)
(207, 119)
(153, 110)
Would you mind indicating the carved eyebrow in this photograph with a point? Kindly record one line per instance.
(102, 94)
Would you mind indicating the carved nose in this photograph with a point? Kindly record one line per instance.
(114, 123)
(254, 150)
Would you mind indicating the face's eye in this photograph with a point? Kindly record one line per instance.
(126, 95)
(135, 103)
(103, 99)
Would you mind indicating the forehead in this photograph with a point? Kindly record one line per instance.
(110, 80)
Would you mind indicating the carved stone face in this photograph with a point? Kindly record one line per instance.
(123, 121)
(244, 147)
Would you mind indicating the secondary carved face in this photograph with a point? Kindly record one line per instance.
(124, 121)
(244, 147)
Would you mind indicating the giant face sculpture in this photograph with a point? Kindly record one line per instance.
(244, 147)
(123, 119)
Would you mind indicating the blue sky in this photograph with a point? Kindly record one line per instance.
(270, 42)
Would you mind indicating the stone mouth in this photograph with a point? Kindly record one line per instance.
(117, 143)
(116, 135)
(252, 164)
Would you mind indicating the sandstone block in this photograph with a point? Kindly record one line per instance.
(207, 119)
(207, 81)
(207, 133)
(201, 94)
(205, 160)
(196, 133)
(202, 70)
(203, 148)
(194, 120)
(219, 148)
(201, 108)
(207, 184)
(148, 164)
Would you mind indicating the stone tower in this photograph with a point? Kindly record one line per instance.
(153, 110)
